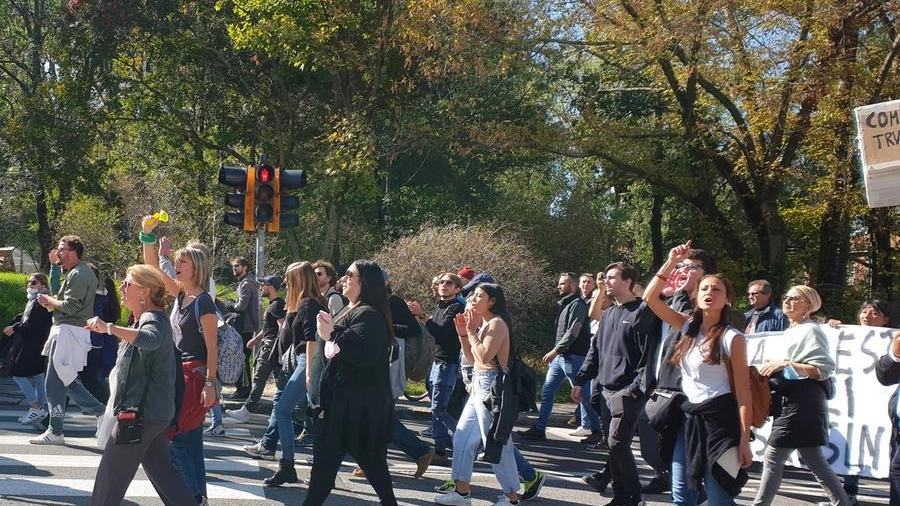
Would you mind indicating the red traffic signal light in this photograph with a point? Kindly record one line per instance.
(264, 195)
(242, 180)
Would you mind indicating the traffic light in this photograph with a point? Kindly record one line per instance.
(242, 180)
(265, 191)
(285, 181)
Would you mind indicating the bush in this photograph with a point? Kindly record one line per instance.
(413, 261)
(12, 295)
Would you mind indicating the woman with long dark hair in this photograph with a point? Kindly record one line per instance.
(486, 344)
(296, 340)
(799, 402)
(713, 448)
(355, 402)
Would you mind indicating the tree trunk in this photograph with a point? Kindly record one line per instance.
(44, 234)
(330, 250)
(656, 239)
(881, 223)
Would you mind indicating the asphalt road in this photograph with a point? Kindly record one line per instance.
(63, 475)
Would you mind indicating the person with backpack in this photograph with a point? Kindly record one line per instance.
(327, 277)
(717, 416)
(194, 330)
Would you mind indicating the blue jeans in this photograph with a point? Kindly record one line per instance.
(443, 378)
(525, 469)
(33, 388)
(187, 457)
(57, 392)
(682, 495)
(471, 432)
(407, 442)
(562, 368)
(281, 421)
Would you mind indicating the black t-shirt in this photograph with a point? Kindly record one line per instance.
(274, 312)
(300, 328)
(188, 338)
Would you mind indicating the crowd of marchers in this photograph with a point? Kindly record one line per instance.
(667, 363)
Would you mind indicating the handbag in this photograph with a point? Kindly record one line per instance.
(760, 394)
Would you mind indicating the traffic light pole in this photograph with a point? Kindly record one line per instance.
(260, 250)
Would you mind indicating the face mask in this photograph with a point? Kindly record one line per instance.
(32, 293)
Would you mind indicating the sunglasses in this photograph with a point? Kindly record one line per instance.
(447, 282)
(32, 282)
(755, 294)
(690, 267)
(126, 284)
(792, 298)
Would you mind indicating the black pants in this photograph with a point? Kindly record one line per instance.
(624, 411)
(327, 460)
(119, 464)
(262, 369)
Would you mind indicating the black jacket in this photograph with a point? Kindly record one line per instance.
(34, 326)
(622, 349)
(442, 327)
(712, 427)
(888, 373)
(669, 376)
(571, 318)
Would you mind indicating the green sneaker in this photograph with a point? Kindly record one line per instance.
(533, 487)
(446, 487)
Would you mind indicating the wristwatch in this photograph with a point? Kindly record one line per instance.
(109, 327)
(209, 384)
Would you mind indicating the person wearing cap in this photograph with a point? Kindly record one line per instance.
(471, 280)
(247, 323)
(262, 344)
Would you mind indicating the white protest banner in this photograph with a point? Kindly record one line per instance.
(859, 441)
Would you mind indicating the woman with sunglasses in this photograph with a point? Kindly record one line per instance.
(356, 408)
(33, 325)
(143, 389)
(197, 342)
(296, 342)
(799, 405)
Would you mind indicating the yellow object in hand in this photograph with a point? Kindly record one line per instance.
(161, 216)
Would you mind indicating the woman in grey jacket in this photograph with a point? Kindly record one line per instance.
(145, 385)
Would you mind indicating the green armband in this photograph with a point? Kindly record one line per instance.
(147, 238)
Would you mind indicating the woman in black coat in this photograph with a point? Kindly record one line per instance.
(355, 402)
(31, 329)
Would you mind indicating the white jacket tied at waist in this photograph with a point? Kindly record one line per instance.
(72, 346)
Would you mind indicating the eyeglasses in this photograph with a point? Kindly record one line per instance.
(320, 273)
(792, 298)
(447, 282)
(32, 282)
(127, 283)
(690, 267)
(235, 266)
(351, 275)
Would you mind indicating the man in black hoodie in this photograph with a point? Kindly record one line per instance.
(445, 369)
(619, 362)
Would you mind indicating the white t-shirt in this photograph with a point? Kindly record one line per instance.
(701, 381)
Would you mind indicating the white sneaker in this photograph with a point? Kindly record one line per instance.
(214, 430)
(503, 501)
(453, 498)
(241, 415)
(581, 432)
(32, 415)
(48, 438)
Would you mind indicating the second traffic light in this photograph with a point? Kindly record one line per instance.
(285, 181)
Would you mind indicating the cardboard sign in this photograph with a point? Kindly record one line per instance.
(859, 441)
(878, 129)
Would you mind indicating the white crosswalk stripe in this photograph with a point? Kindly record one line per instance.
(67, 471)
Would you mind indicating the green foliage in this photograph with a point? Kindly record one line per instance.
(12, 295)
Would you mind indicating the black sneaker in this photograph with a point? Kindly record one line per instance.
(533, 434)
(660, 484)
(597, 481)
(533, 488)
(595, 437)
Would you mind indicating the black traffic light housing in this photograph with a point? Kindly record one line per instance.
(242, 180)
(285, 181)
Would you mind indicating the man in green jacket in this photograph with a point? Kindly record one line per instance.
(69, 340)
